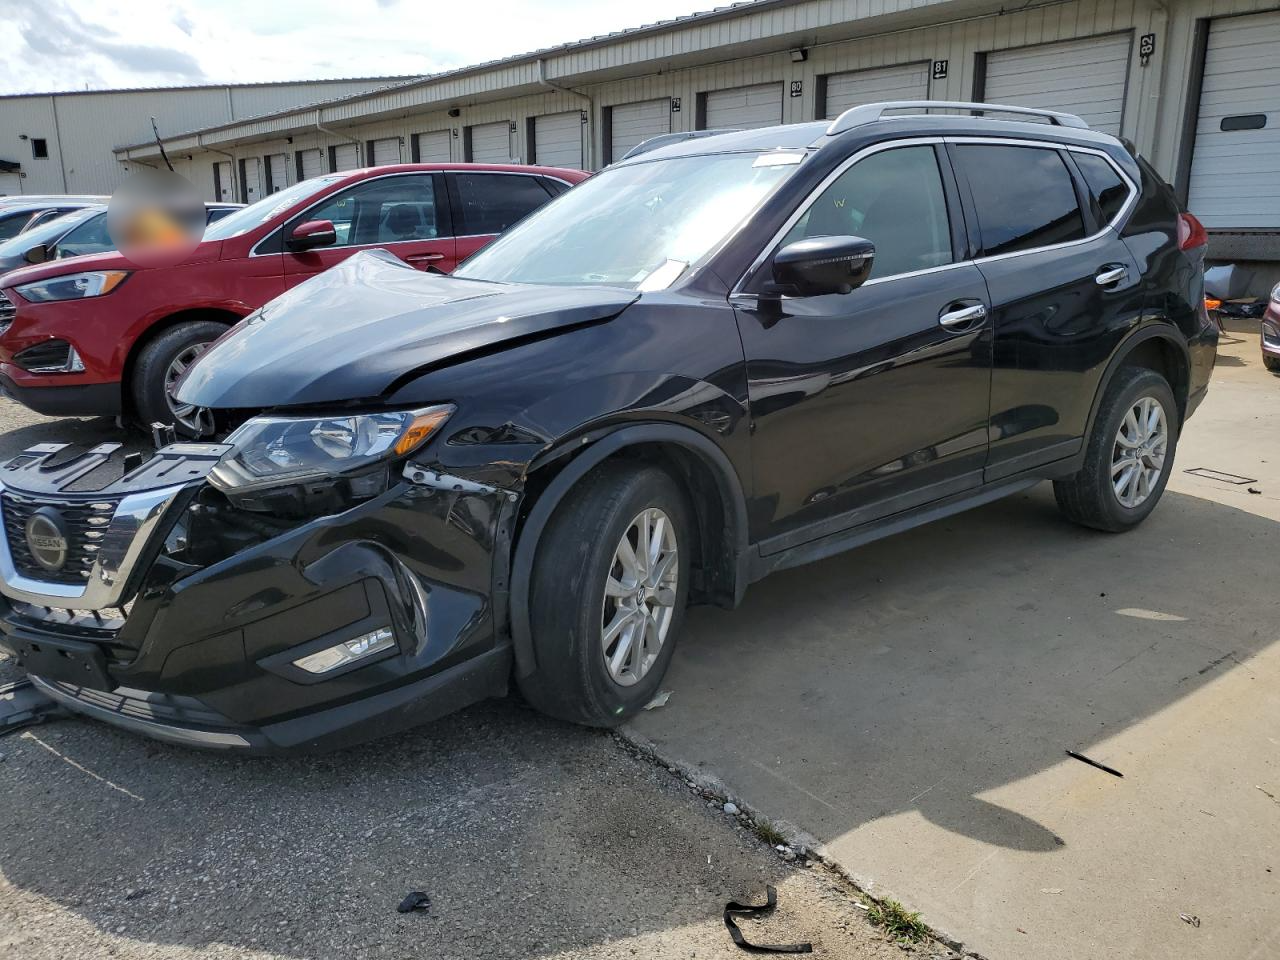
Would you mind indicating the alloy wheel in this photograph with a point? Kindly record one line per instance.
(184, 414)
(639, 596)
(1138, 457)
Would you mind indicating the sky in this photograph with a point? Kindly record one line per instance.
(50, 45)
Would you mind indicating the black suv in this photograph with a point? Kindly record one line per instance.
(716, 359)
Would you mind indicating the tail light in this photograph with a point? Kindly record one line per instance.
(1191, 232)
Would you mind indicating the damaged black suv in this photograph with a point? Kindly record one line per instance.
(718, 358)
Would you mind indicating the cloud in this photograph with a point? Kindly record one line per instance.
(184, 22)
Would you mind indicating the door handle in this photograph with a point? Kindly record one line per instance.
(1109, 275)
(962, 317)
(423, 257)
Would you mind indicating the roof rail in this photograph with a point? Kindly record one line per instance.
(871, 112)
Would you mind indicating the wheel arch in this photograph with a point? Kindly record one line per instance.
(194, 315)
(700, 466)
(1158, 347)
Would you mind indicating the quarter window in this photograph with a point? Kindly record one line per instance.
(893, 198)
(1107, 192)
(492, 202)
(1025, 197)
(385, 210)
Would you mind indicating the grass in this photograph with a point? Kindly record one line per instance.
(897, 921)
(770, 834)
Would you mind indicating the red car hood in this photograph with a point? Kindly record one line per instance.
(203, 253)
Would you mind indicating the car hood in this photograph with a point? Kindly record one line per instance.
(205, 251)
(354, 331)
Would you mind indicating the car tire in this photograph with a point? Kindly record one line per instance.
(1271, 363)
(1117, 486)
(583, 674)
(153, 372)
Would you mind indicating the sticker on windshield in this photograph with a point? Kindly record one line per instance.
(777, 159)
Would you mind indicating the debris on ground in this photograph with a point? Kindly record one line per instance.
(1188, 918)
(1255, 490)
(1094, 763)
(755, 912)
(659, 700)
(730, 807)
(22, 705)
(417, 900)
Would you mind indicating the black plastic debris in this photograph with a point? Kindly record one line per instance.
(417, 900)
(1094, 763)
(734, 909)
(22, 705)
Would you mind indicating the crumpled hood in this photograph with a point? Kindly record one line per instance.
(354, 330)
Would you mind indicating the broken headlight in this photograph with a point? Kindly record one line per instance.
(311, 456)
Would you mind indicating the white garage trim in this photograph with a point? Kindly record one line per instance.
(489, 143)
(1087, 77)
(1235, 174)
(311, 163)
(557, 140)
(385, 151)
(630, 124)
(841, 91)
(277, 170)
(344, 156)
(431, 147)
(742, 107)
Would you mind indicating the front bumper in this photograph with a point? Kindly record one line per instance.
(204, 657)
(1271, 330)
(61, 399)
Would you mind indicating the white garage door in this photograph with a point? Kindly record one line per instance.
(745, 107)
(251, 175)
(633, 123)
(313, 163)
(385, 151)
(557, 140)
(431, 147)
(345, 156)
(1235, 173)
(491, 143)
(909, 81)
(277, 172)
(1084, 77)
(222, 182)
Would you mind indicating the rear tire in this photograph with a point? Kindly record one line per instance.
(158, 365)
(604, 632)
(1128, 456)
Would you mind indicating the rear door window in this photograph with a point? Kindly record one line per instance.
(492, 202)
(1107, 191)
(1025, 197)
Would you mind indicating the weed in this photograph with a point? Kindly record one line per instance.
(897, 921)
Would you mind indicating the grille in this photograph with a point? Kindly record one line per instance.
(7, 313)
(86, 523)
(52, 356)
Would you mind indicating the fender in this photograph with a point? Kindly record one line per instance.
(1160, 330)
(575, 470)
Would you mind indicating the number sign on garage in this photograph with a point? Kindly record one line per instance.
(557, 140)
(742, 107)
(1085, 77)
(630, 124)
(840, 91)
(1235, 166)
(431, 147)
(489, 143)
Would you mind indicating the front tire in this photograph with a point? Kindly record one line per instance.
(607, 595)
(1128, 456)
(160, 364)
(1271, 363)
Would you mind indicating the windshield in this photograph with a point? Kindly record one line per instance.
(635, 223)
(256, 214)
(47, 232)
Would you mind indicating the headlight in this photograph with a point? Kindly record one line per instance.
(74, 286)
(278, 451)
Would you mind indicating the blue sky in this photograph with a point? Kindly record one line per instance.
(98, 44)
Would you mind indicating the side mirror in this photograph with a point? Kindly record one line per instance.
(312, 234)
(37, 254)
(821, 265)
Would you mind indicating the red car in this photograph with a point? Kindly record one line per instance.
(100, 335)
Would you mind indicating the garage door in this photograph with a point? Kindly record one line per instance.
(311, 163)
(557, 140)
(250, 180)
(277, 171)
(633, 123)
(490, 143)
(1085, 77)
(745, 107)
(907, 82)
(431, 147)
(385, 151)
(223, 188)
(1235, 172)
(345, 156)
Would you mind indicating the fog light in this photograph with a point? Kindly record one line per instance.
(347, 652)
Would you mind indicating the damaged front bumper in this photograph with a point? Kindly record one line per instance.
(110, 617)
